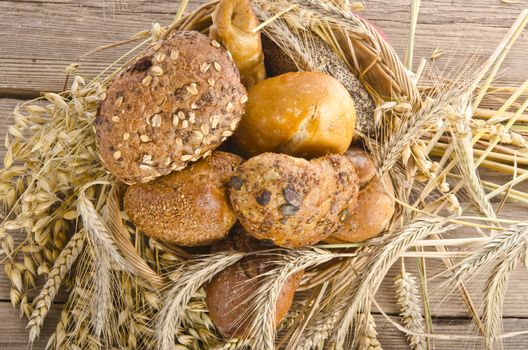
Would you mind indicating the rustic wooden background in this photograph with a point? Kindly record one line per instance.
(39, 38)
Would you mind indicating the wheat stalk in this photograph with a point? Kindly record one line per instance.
(50, 289)
(376, 267)
(495, 291)
(188, 279)
(408, 300)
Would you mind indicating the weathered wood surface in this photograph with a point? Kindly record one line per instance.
(39, 38)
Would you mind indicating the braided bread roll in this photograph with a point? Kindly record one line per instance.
(233, 21)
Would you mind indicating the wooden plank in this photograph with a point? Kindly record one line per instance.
(40, 38)
(32, 62)
(13, 335)
(391, 338)
(16, 337)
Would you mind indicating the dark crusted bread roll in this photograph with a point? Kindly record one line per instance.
(189, 207)
(291, 201)
(375, 204)
(175, 104)
(228, 295)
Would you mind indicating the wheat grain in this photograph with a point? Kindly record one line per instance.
(189, 279)
(408, 300)
(368, 340)
(62, 266)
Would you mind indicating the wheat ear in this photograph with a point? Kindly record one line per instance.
(410, 308)
(377, 266)
(50, 289)
(188, 279)
(368, 339)
(495, 291)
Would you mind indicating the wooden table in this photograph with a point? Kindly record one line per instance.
(39, 38)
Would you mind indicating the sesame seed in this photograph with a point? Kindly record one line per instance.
(207, 154)
(147, 159)
(116, 119)
(205, 67)
(144, 167)
(175, 120)
(197, 134)
(147, 80)
(205, 128)
(157, 70)
(117, 155)
(227, 133)
(156, 121)
(126, 136)
(215, 43)
(181, 115)
(215, 119)
(243, 99)
(174, 55)
(167, 161)
(194, 105)
(192, 89)
(103, 96)
(179, 142)
(229, 55)
(185, 124)
(118, 102)
(186, 157)
(206, 140)
(223, 139)
(234, 123)
(217, 66)
(197, 151)
(160, 57)
(211, 81)
(144, 138)
(230, 107)
(192, 117)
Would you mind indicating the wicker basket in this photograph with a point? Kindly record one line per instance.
(373, 60)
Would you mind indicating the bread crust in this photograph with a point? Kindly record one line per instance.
(228, 295)
(305, 114)
(292, 201)
(188, 208)
(375, 204)
(174, 105)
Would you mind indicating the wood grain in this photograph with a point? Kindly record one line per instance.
(39, 38)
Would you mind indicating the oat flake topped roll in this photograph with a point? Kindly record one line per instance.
(174, 105)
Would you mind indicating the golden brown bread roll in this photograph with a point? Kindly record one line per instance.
(233, 21)
(375, 206)
(189, 207)
(175, 104)
(302, 114)
(228, 295)
(325, 59)
(292, 201)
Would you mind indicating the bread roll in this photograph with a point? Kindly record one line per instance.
(375, 206)
(175, 104)
(233, 22)
(189, 207)
(302, 114)
(229, 294)
(292, 201)
(325, 59)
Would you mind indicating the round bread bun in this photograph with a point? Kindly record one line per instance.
(188, 208)
(292, 201)
(375, 204)
(228, 295)
(175, 104)
(304, 114)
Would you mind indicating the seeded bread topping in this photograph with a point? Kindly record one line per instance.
(291, 201)
(174, 105)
